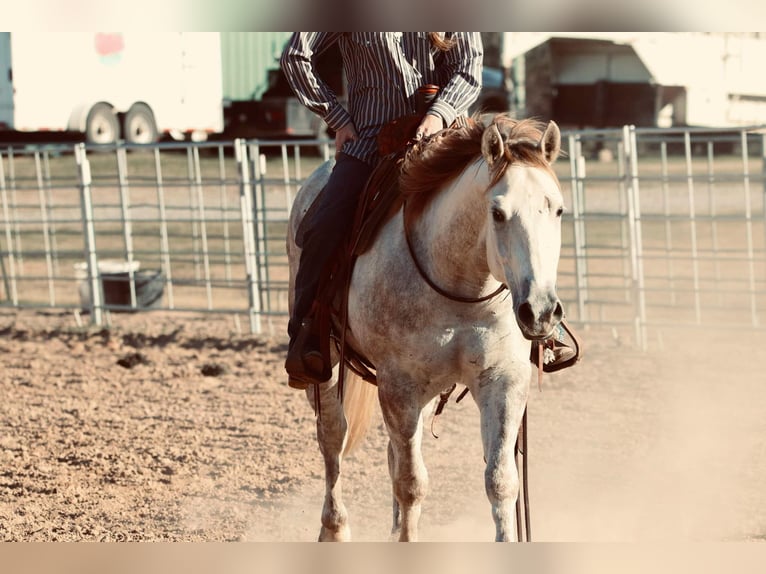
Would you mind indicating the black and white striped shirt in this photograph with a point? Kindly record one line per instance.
(383, 72)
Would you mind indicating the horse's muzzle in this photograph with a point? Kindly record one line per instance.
(538, 322)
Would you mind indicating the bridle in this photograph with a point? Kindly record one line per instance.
(431, 283)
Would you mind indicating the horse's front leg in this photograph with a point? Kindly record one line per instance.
(396, 522)
(501, 400)
(331, 434)
(403, 418)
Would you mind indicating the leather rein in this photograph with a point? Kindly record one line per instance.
(431, 283)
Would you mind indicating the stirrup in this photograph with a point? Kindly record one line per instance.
(561, 353)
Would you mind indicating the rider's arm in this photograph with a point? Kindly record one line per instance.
(464, 62)
(309, 88)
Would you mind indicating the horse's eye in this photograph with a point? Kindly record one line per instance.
(498, 215)
(559, 211)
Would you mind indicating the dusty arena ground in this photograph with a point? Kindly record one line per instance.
(179, 428)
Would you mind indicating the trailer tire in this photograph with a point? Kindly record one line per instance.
(101, 126)
(139, 126)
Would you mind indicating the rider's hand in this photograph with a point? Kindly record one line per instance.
(429, 126)
(343, 135)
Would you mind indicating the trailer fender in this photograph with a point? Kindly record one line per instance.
(79, 117)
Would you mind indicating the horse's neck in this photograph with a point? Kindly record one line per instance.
(451, 235)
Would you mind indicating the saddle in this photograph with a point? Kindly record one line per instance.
(380, 199)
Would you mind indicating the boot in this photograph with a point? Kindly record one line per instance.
(557, 353)
(304, 363)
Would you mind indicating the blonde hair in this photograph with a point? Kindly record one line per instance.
(440, 41)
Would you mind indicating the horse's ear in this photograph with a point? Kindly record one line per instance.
(550, 143)
(492, 147)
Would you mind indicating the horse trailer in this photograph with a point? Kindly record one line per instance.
(109, 86)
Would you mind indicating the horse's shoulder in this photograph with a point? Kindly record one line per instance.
(313, 184)
(321, 173)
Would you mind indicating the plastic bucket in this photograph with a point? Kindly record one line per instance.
(115, 282)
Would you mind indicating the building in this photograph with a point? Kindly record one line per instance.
(642, 78)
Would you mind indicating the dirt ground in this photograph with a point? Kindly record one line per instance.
(180, 428)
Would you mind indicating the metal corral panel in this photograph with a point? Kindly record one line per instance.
(246, 58)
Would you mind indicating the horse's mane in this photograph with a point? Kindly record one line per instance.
(429, 165)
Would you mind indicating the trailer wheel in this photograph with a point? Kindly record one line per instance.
(139, 126)
(102, 126)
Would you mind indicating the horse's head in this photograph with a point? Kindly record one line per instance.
(524, 219)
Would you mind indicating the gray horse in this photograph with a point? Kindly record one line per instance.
(482, 212)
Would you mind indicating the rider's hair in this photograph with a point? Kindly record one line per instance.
(439, 40)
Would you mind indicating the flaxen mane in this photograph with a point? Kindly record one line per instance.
(431, 164)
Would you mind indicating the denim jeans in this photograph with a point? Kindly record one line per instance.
(329, 224)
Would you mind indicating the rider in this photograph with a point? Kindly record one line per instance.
(383, 71)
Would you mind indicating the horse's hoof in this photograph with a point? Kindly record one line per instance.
(342, 534)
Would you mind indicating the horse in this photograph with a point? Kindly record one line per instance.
(454, 287)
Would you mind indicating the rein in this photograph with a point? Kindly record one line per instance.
(433, 285)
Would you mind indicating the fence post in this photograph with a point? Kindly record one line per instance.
(763, 179)
(89, 235)
(199, 192)
(763, 163)
(9, 275)
(693, 226)
(46, 227)
(749, 231)
(260, 244)
(577, 168)
(164, 237)
(636, 239)
(248, 235)
(126, 219)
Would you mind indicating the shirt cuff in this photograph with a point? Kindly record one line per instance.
(445, 111)
(337, 117)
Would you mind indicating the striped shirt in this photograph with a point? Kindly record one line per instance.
(383, 71)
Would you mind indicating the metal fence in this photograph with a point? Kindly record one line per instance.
(668, 233)
(664, 227)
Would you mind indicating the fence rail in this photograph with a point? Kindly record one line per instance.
(664, 227)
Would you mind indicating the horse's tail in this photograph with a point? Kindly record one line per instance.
(359, 398)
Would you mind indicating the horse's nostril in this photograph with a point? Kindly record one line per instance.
(526, 316)
(558, 312)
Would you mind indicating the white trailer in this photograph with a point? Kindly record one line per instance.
(133, 86)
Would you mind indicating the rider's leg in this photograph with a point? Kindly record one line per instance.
(325, 231)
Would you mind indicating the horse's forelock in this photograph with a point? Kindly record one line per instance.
(429, 165)
(522, 144)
